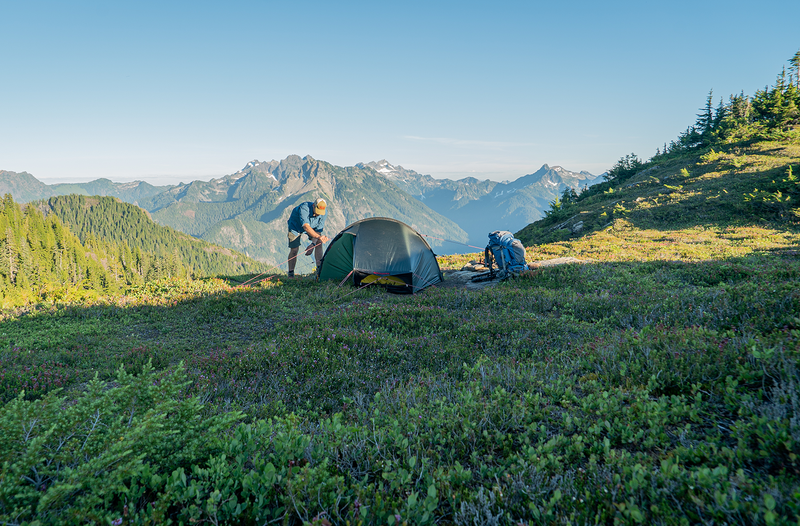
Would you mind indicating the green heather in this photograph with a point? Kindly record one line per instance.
(655, 383)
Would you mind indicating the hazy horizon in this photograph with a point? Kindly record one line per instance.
(175, 91)
(165, 179)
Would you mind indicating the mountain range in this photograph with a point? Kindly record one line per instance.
(247, 210)
(24, 188)
(478, 206)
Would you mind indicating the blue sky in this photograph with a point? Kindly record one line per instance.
(177, 91)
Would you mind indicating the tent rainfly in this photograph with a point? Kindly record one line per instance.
(382, 251)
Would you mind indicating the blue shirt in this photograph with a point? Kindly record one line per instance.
(302, 214)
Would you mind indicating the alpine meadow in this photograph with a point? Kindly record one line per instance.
(148, 377)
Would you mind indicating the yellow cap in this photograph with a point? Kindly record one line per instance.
(319, 207)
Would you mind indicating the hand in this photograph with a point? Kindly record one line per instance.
(322, 239)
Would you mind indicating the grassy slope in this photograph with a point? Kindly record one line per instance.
(713, 191)
(658, 384)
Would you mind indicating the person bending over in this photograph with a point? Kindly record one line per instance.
(307, 218)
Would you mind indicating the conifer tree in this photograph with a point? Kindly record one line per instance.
(719, 114)
(9, 256)
(795, 69)
(705, 120)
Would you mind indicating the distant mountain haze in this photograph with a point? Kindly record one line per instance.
(22, 186)
(25, 188)
(247, 210)
(480, 207)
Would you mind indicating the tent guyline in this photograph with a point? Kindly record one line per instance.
(251, 280)
(339, 286)
(353, 291)
(345, 278)
(451, 241)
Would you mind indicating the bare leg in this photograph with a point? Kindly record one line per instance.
(318, 253)
(293, 258)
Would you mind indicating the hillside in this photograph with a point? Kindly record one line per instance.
(126, 225)
(41, 260)
(84, 247)
(726, 186)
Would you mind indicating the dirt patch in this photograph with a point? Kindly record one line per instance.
(463, 278)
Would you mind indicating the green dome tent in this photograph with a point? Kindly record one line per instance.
(382, 251)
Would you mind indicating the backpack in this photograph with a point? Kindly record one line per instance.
(506, 251)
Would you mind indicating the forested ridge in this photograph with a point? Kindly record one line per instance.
(41, 258)
(736, 164)
(769, 114)
(76, 246)
(112, 220)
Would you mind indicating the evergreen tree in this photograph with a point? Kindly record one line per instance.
(705, 119)
(9, 256)
(569, 195)
(624, 168)
(719, 114)
(795, 69)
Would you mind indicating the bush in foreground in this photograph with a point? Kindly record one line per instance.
(508, 443)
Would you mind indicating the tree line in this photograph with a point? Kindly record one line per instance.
(770, 113)
(767, 114)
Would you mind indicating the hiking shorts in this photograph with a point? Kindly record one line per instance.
(294, 239)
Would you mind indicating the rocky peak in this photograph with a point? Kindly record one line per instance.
(383, 167)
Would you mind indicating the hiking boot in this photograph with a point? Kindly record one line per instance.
(290, 274)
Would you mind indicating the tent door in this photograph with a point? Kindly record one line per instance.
(398, 284)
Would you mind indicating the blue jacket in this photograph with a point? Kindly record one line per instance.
(302, 214)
